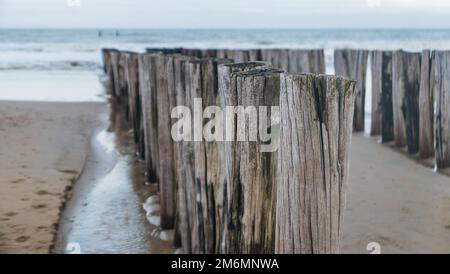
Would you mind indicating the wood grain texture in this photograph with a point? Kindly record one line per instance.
(426, 109)
(147, 89)
(316, 129)
(226, 217)
(253, 186)
(134, 101)
(306, 61)
(376, 67)
(165, 101)
(279, 58)
(205, 173)
(353, 64)
(405, 89)
(440, 86)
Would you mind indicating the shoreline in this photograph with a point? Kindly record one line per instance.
(44, 150)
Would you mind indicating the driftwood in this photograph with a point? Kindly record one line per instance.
(227, 203)
(353, 64)
(251, 220)
(405, 90)
(134, 101)
(148, 64)
(426, 109)
(306, 61)
(440, 86)
(316, 128)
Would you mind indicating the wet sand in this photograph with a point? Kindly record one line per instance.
(395, 201)
(43, 150)
(106, 211)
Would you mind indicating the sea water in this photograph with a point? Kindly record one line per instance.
(65, 64)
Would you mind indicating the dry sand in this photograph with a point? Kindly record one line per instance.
(395, 201)
(43, 148)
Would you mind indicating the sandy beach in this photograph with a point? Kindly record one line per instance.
(395, 201)
(43, 150)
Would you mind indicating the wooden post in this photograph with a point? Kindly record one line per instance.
(353, 64)
(148, 91)
(134, 101)
(426, 109)
(382, 111)
(164, 50)
(226, 206)
(201, 158)
(251, 208)
(114, 55)
(316, 129)
(279, 58)
(376, 63)
(165, 103)
(306, 61)
(405, 89)
(440, 86)
(109, 69)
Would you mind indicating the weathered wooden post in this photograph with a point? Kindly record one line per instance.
(165, 103)
(164, 50)
(109, 69)
(316, 129)
(251, 216)
(279, 58)
(114, 55)
(353, 64)
(227, 203)
(440, 86)
(405, 89)
(134, 100)
(382, 110)
(201, 157)
(148, 92)
(306, 61)
(426, 109)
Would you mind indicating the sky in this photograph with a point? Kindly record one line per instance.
(224, 13)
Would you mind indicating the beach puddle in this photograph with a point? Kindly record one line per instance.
(105, 213)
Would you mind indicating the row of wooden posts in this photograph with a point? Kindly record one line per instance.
(410, 101)
(231, 197)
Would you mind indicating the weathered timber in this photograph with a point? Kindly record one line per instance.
(164, 50)
(202, 166)
(226, 208)
(165, 103)
(426, 109)
(134, 101)
(148, 64)
(114, 55)
(279, 58)
(440, 86)
(306, 61)
(177, 90)
(316, 128)
(353, 64)
(405, 90)
(251, 221)
(109, 69)
(382, 111)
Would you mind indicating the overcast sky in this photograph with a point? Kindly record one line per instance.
(225, 13)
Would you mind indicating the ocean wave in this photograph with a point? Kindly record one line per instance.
(51, 66)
